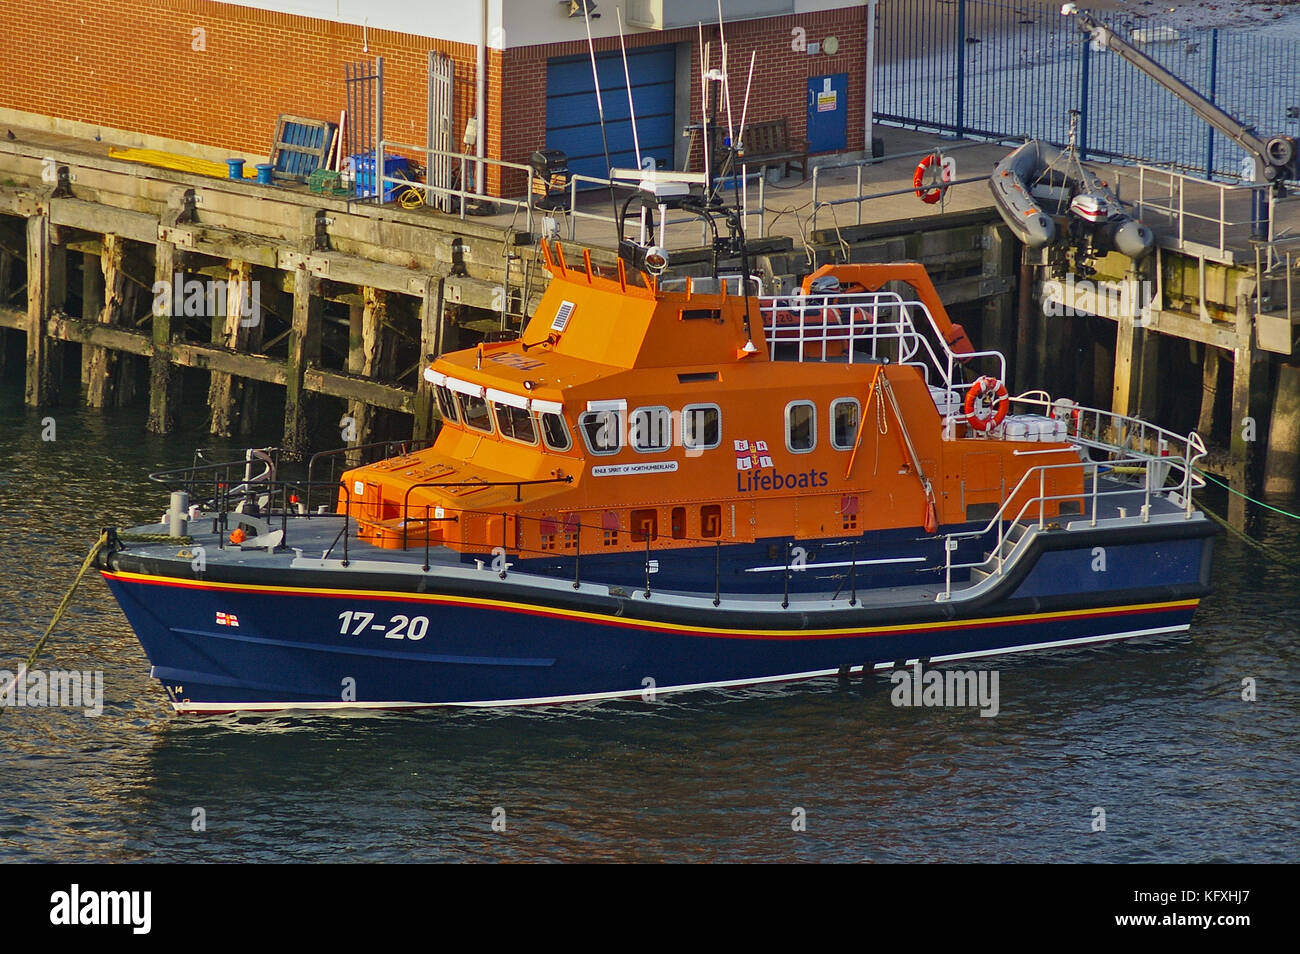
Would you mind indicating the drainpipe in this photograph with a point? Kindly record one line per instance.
(480, 97)
(868, 115)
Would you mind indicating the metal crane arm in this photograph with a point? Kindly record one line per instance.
(1273, 158)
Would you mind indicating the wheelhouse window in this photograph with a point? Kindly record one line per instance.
(800, 426)
(554, 432)
(446, 404)
(701, 426)
(651, 429)
(474, 412)
(515, 423)
(602, 431)
(844, 423)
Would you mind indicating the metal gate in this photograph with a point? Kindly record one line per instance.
(365, 87)
(440, 124)
(987, 68)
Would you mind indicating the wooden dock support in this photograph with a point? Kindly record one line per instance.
(304, 351)
(46, 292)
(104, 293)
(370, 355)
(1137, 370)
(431, 326)
(1282, 465)
(231, 330)
(1209, 392)
(164, 382)
(1249, 376)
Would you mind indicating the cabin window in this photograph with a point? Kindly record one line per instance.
(555, 433)
(446, 404)
(711, 520)
(800, 427)
(701, 426)
(651, 429)
(602, 431)
(844, 423)
(474, 412)
(515, 423)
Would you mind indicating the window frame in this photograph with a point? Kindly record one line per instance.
(665, 430)
(812, 429)
(586, 437)
(564, 429)
(685, 417)
(496, 405)
(857, 405)
(462, 398)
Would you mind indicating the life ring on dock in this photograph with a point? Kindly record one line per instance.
(991, 394)
(929, 194)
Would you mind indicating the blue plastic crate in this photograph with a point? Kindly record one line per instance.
(363, 170)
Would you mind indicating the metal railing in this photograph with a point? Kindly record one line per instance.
(1124, 441)
(997, 69)
(858, 326)
(859, 166)
(1200, 211)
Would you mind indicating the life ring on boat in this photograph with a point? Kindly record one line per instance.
(994, 392)
(931, 194)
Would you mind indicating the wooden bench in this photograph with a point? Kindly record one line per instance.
(766, 144)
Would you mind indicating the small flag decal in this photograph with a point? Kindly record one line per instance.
(227, 619)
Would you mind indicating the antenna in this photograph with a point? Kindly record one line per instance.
(739, 216)
(704, 114)
(627, 79)
(600, 111)
(726, 82)
(744, 110)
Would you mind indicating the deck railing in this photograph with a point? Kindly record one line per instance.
(1127, 444)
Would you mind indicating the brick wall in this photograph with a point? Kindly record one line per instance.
(779, 87)
(133, 66)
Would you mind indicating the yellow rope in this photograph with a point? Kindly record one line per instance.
(58, 613)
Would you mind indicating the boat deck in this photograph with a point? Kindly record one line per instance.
(314, 547)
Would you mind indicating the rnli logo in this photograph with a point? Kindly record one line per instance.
(753, 460)
(753, 455)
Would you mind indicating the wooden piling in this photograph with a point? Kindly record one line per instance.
(164, 382)
(304, 351)
(1209, 392)
(104, 286)
(367, 354)
(431, 324)
(230, 330)
(46, 288)
(1282, 465)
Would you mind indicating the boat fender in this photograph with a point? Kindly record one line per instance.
(991, 390)
(959, 342)
(932, 194)
(931, 518)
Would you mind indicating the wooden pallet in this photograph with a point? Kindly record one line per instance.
(301, 146)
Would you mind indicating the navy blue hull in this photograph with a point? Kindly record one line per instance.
(225, 646)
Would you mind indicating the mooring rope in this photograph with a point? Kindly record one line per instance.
(1264, 548)
(1259, 503)
(58, 613)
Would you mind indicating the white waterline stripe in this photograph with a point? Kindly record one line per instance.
(824, 566)
(200, 707)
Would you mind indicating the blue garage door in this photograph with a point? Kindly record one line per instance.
(573, 123)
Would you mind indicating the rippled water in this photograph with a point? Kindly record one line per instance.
(1156, 733)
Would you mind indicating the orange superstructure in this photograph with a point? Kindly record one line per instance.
(635, 412)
